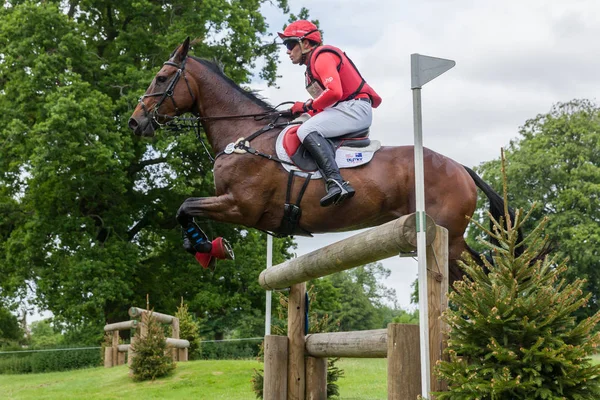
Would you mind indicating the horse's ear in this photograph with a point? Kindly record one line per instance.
(182, 51)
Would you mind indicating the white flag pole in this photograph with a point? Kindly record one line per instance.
(268, 300)
(423, 69)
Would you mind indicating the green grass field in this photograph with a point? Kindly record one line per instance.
(364, 379)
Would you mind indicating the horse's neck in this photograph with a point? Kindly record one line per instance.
(217, 98)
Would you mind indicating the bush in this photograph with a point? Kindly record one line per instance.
(230, 350)
(512, 331)
(49, 361)
(189, 329)
(151, 359)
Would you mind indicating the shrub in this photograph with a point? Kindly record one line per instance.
(189, 329)
(151, 359)
(512, 331)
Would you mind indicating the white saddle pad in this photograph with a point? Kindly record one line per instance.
(346, 157)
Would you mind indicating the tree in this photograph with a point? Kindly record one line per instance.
(556, 162)
(513, 333)
(152, 359)
(10, 330)
(44, 334)
(189, 330)
(88, 225)
(355, 298)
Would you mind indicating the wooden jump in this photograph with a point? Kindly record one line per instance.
(115, 355)
(296, 364)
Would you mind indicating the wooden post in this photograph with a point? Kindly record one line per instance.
(121, 358)
(131, 352)
(316, 378)
(115, 350)
(276, 365)
(437, 284)
(404, 362)
(182, 354)
(296, 366)
(175, 335)
(108, 357)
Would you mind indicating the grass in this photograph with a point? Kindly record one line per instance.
(364, 379)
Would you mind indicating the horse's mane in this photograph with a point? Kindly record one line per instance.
(214, 67)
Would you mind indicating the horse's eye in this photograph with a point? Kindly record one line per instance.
(161, 79)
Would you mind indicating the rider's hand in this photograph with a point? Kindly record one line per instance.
(300, 107)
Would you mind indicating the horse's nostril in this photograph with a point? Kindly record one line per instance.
(133, 124)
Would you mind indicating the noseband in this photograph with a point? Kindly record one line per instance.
(167, 93)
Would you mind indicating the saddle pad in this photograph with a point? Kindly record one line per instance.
(346, 157)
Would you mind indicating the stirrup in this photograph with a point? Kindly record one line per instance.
(341, 195)
(340, 185)
(345, 194)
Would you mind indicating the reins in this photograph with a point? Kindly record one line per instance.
(242, 145)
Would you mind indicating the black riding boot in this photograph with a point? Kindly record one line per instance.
(324, 155)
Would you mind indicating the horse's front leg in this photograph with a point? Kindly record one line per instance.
(220, 208)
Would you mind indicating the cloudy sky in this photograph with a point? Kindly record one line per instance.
(514, 60)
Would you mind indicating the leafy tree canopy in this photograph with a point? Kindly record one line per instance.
(87, 223)
(556, 163)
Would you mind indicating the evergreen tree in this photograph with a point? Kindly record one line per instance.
(151, 359)
(513, 333)
(189, 330)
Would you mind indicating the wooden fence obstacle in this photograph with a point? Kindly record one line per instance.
(296, 364)
(115, 354)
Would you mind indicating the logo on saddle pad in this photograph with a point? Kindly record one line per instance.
(350, 152)
(354, 158)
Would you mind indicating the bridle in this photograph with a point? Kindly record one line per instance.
(167, 93)
(273, 116)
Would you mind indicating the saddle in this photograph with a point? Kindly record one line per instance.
(352, 149)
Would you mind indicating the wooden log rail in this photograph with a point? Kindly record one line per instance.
(384, 241)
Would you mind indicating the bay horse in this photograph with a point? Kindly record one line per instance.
(251, 190)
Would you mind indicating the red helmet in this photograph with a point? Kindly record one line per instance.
(301, 29)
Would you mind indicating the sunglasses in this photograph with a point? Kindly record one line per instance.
(291, 43)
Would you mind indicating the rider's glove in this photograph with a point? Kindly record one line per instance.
(300, 107)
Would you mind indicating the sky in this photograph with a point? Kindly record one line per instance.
(514, 60)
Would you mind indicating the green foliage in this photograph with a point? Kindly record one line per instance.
(334, 373)
(43, 335)
(189, 329)
(512, 331)
(152, 358)
(357, 299)
(10, 330)
(556, 162)
(49, 361)
(242, 350)
(407, 317)
(88, 210)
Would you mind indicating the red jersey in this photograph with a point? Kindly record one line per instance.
(331, 77)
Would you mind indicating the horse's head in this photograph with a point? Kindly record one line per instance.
(167, 96)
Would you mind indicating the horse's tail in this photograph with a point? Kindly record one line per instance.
(496, 209)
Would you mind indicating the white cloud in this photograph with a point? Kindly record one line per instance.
(514, 59)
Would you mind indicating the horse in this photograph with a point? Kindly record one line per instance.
(251, 190)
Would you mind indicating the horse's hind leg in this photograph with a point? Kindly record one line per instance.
(456, 247)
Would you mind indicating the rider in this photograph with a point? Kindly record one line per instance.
(341, 101)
